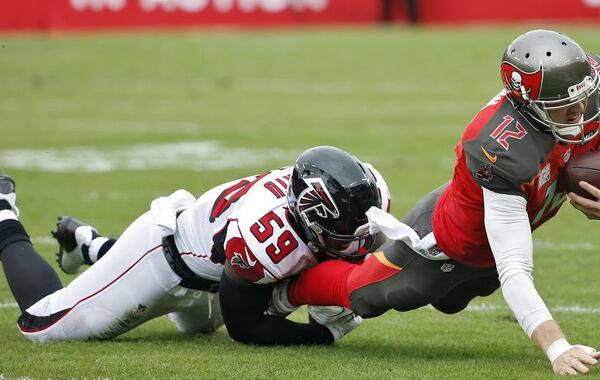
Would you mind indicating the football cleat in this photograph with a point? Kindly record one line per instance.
(7, 192)
(73, 237)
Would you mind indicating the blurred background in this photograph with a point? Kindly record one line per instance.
(53, 15)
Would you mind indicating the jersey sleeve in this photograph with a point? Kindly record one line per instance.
(241, 258)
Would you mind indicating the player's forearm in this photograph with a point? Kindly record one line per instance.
(525, 302)
(243, 307)
(546, 334)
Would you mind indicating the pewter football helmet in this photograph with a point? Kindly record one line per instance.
(544, 70)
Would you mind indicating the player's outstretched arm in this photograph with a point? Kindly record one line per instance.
(589, 207)
(243, 305)
(505, 215)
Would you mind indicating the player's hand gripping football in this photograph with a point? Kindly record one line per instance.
(589, 207)
(339, 320)
(575, 360)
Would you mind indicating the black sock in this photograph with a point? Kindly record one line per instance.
(105, 247)
(4, 205)
(29, 276)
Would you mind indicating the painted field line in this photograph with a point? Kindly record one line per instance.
(572, 309)
(564, 246)
(186, 155)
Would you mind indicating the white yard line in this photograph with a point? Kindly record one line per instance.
(563, 246)
(194, 155)
(572, 309)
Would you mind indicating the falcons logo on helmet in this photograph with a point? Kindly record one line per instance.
(316, 197)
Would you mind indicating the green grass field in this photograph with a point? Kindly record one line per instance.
(93, 126)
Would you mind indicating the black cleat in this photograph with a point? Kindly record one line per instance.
(70, 240)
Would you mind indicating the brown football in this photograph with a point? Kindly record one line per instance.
(584, 167)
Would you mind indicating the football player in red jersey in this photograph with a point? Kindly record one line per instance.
(238, 238)
(473, 234)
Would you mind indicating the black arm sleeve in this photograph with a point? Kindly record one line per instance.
(243, 305)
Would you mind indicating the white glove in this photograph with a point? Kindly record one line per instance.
(280, 305)
(339, 320)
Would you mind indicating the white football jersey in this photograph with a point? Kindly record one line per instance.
(247, 222)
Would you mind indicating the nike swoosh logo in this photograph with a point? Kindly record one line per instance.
(492, 159)
(250, 261)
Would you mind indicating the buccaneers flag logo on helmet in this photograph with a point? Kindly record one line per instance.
(523, 86)
(316, 197)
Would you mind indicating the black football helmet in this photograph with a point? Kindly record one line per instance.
(328, 196)
(543, 70)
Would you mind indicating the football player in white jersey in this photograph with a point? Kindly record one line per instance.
(262, 229)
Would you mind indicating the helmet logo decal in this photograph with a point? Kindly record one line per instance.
(523, 86)
(516, 79)
(316, 197)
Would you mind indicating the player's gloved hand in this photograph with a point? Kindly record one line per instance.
(571, 360)
(339, 320)
(280, 305)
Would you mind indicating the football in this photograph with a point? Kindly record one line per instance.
(584, 167)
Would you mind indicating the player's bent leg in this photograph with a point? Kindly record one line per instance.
(411, 282)
(29, 276)
(199, 313)
(459, 297)
(132, 284)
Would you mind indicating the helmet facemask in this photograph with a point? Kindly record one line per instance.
(349, 247)
(571, 133)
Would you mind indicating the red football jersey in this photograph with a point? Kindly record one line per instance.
(501, 151)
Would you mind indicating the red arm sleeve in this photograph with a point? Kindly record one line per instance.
(324, 284)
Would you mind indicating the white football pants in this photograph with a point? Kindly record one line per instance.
(130, 285)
